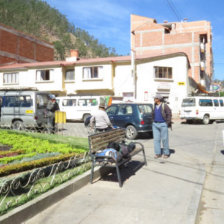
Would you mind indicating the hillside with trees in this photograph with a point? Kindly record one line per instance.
(38, 18)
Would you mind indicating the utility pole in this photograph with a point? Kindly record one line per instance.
(133, 70)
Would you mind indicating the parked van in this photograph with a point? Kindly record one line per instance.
(204, 108)
(78, 107)
(23, 108)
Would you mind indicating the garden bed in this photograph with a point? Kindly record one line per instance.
(26, 159)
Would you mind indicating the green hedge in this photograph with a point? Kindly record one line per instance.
(15, 168)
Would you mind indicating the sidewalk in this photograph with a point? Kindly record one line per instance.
(164, 190)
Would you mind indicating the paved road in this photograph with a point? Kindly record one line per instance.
(186, 188)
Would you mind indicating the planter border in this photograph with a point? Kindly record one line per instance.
(37, 205)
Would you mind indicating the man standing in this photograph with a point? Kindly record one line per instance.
(100, 119)
(161, 121)
(52, 106)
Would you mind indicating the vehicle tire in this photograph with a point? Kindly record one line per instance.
(206, 119)
(85, 117)
(131, 132)
(189, 121)
(17, 125)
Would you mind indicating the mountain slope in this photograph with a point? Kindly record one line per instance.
(37, 18)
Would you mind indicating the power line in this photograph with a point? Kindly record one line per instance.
(174, 9)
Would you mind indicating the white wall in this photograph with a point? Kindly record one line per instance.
(104, 82)
(172, 88)
(123, 81)
(27, 78)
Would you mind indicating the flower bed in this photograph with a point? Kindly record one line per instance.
(31, 164)
(28, 152)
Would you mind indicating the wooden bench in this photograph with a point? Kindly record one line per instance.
(100, 141)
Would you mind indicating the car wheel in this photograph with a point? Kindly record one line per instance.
(131, 132)
(17, 125)
(206, 119)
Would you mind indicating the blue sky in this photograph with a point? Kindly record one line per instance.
(109, 20)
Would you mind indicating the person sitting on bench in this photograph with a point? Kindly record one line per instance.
(101, 120)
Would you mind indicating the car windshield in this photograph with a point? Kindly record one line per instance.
(189, 102)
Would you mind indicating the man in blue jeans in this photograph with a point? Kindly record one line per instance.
(161, 121)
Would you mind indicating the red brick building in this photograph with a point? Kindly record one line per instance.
(193, 38)
(18, 47)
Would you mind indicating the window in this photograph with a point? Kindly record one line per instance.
(70, 75)
(10, 101)
(163, 72)
(11, 78)
(88, 102)
(205, 103)
(25, 101)
(125, 110)
(43, 75)
(112, 110)
(145, 109)
(42, 101)
(216, 103)
(189, 102)
(69, 102)
(221, 103)
(92, 72)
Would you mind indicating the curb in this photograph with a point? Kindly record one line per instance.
(37, 205)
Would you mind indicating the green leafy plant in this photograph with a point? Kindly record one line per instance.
(14, 168)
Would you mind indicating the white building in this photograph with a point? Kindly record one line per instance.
(166, 74)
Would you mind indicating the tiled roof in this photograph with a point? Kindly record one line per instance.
(82, 61)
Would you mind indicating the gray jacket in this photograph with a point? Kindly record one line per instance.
(101, 120)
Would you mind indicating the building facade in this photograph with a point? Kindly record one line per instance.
(193, 38)
(17, 47)
(167, 75)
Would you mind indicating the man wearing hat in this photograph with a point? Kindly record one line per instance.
(161, 121)
(100, 119)
(52, 106)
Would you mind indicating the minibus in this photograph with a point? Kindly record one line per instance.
(204, 108)
(78, 108)
(23, 108)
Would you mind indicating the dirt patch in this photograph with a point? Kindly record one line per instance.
(5, 147)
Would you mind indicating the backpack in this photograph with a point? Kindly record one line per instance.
(131, 147)
(87, 121)
(114, 145)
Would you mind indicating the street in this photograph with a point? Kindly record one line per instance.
(186, 188)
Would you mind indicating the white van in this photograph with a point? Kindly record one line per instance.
(78, 107)
(204, 108)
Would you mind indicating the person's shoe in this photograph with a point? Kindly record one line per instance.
(166, 156)
(157, 156)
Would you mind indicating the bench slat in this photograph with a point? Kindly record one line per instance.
(100, 141)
